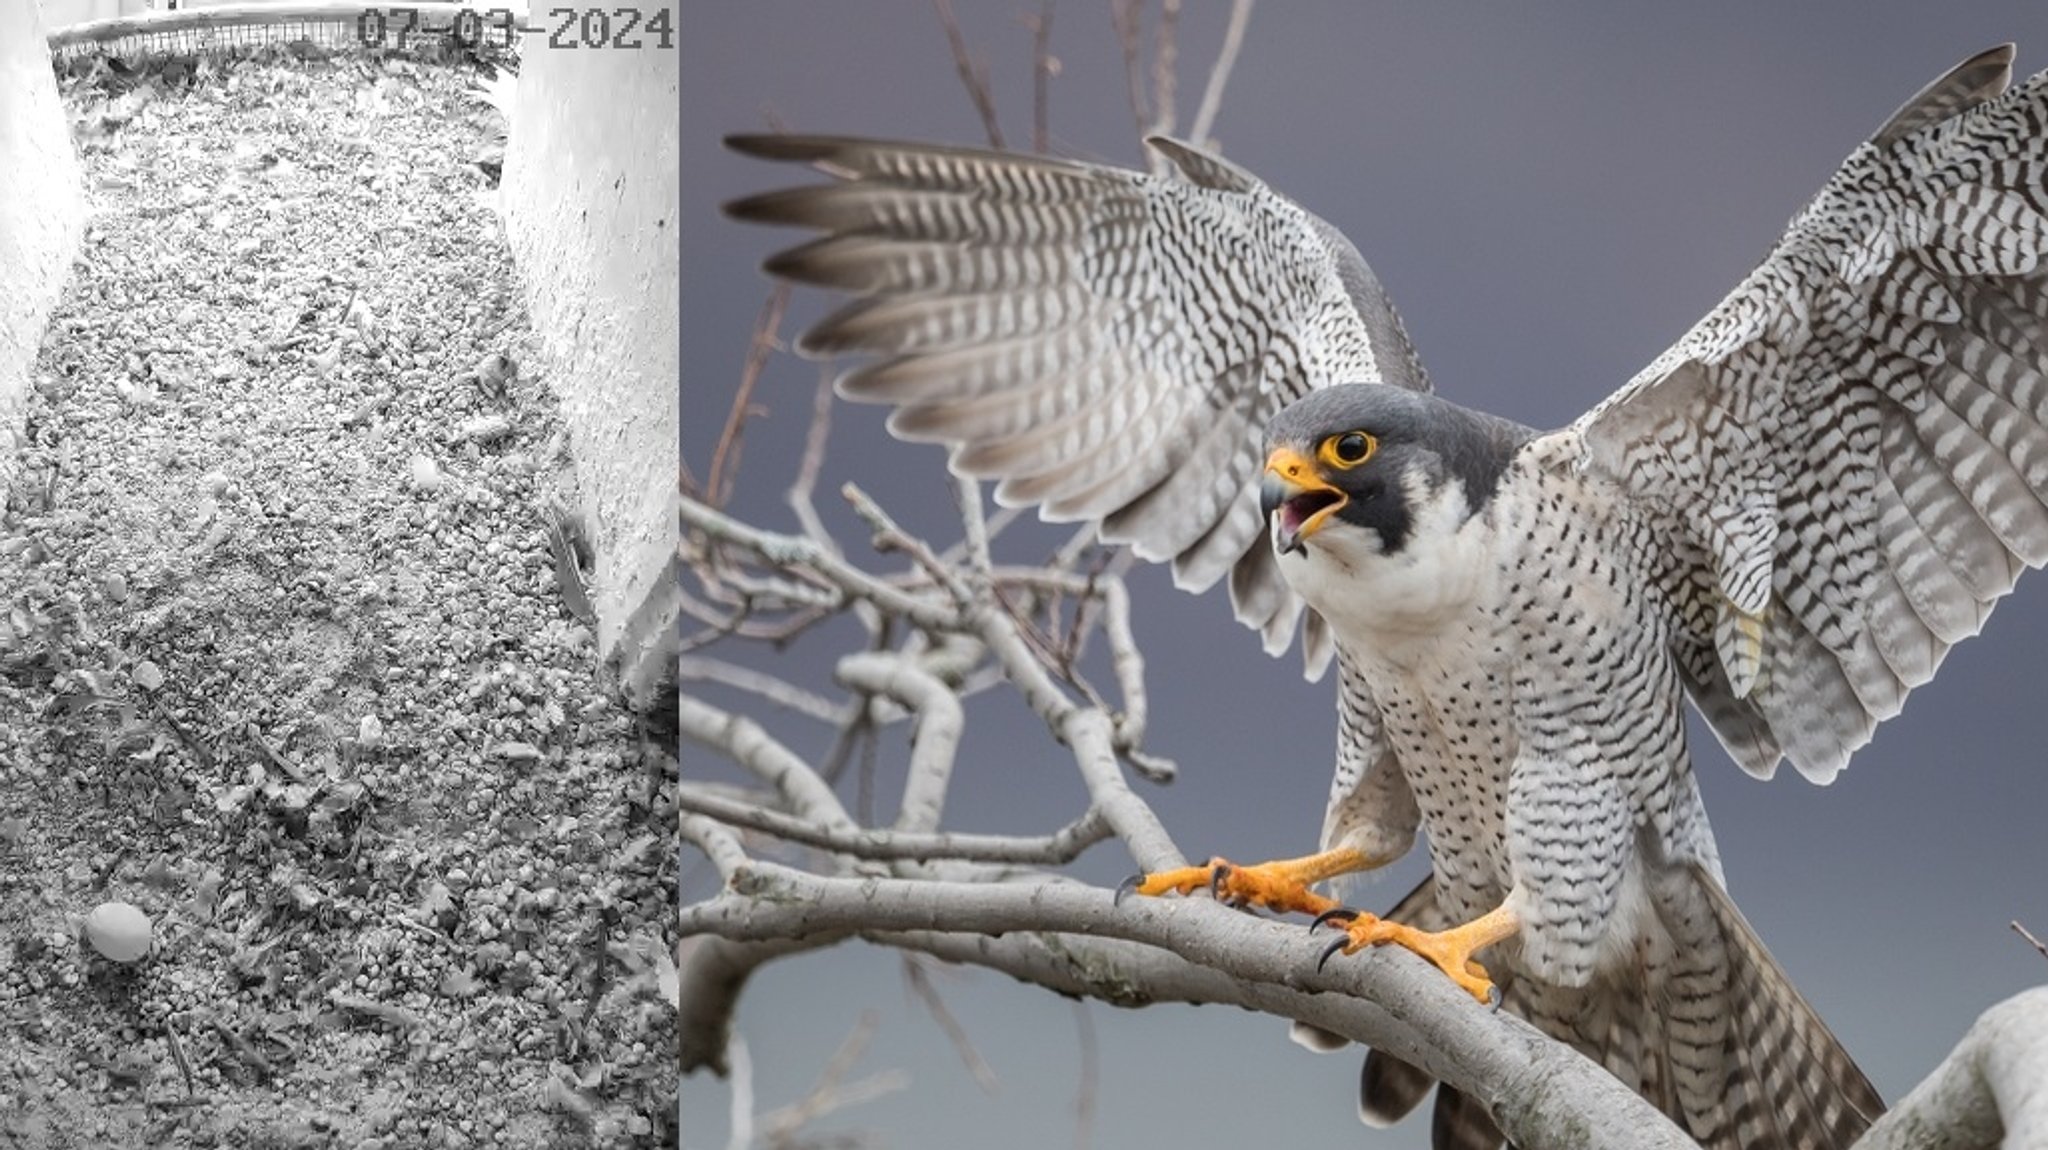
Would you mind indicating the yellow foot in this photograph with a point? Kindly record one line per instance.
(1451, 950)
(1279, 886)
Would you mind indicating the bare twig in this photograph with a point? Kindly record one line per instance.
(973, 74)
(781, 692)
(747, 744)
(1055, 849)
(2029, 936)
(967, 493)
(1126, 16)
(178, 1056)
(919, 983)
(891, 537)
(864, 784)
(780, 1126)
(1165, 50)
(1043, 68)
(1091, 1074)
(742, 1078)
(806, 482)
(940, 723)
(1219, 74)
(725, 457)
(791, 552)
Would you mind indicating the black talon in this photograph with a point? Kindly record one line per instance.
(1342, 912)
(1493, 998)
(1126, 889)
(1331, 949)
(1216, 875)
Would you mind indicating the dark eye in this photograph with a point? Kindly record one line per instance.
(1349, 449)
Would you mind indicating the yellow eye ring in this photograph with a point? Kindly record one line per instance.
(1348, 450)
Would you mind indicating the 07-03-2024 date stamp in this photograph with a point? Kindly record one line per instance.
(563, 27)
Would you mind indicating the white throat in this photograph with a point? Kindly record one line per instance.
(1397, 605)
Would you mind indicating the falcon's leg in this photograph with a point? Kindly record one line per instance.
(1451, 950)
(1281, 885)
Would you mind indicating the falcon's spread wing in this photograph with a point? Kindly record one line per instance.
(1108, 344)
(1847, 460)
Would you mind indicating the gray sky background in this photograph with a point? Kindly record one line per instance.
(1552, 194)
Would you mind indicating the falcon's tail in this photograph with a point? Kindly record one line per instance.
(1709, 1029)
(1748, 1061)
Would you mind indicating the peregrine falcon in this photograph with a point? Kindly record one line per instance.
(1789, 518)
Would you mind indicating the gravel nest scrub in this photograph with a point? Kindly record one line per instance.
(293, 654)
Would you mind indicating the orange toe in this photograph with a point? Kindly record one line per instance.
(1281, 886)
(1451, 950)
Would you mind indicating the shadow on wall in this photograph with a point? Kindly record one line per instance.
(590, 193)
(42, 209)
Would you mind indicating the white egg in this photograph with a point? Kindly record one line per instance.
(118, 930)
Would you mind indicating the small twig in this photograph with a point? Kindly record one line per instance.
(793, 551)
(277, 759)
(997, 524)
(1165, 49)
(746, 743)
(828, 1095)
(178, 1056)
(919, 984)
(369, 408)
(934, 740)
(889, 535)
(1043, 68)
(974, 75)
(244, 1049)
(800, 489)
(423, 930)
(1219, 75)
(861, 726)
(2028, 935)
(725, 457)
(781, 692)
(1125, 16)
(1056, 849)
(1091, 1071)
(864, 783)
(197, 748)
(967, 493)
(742, 1078)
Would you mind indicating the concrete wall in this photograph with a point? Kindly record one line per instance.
(590, 190)
(64, 13)
(42, 209)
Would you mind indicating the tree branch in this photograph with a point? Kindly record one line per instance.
(1056, 849)
(1986, 1094)
(1071, 938)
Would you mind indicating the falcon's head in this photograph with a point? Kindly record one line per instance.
(1361, 473)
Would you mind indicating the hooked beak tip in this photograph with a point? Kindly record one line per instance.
(1274, 492)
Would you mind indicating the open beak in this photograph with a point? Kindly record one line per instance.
(1296, 498)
